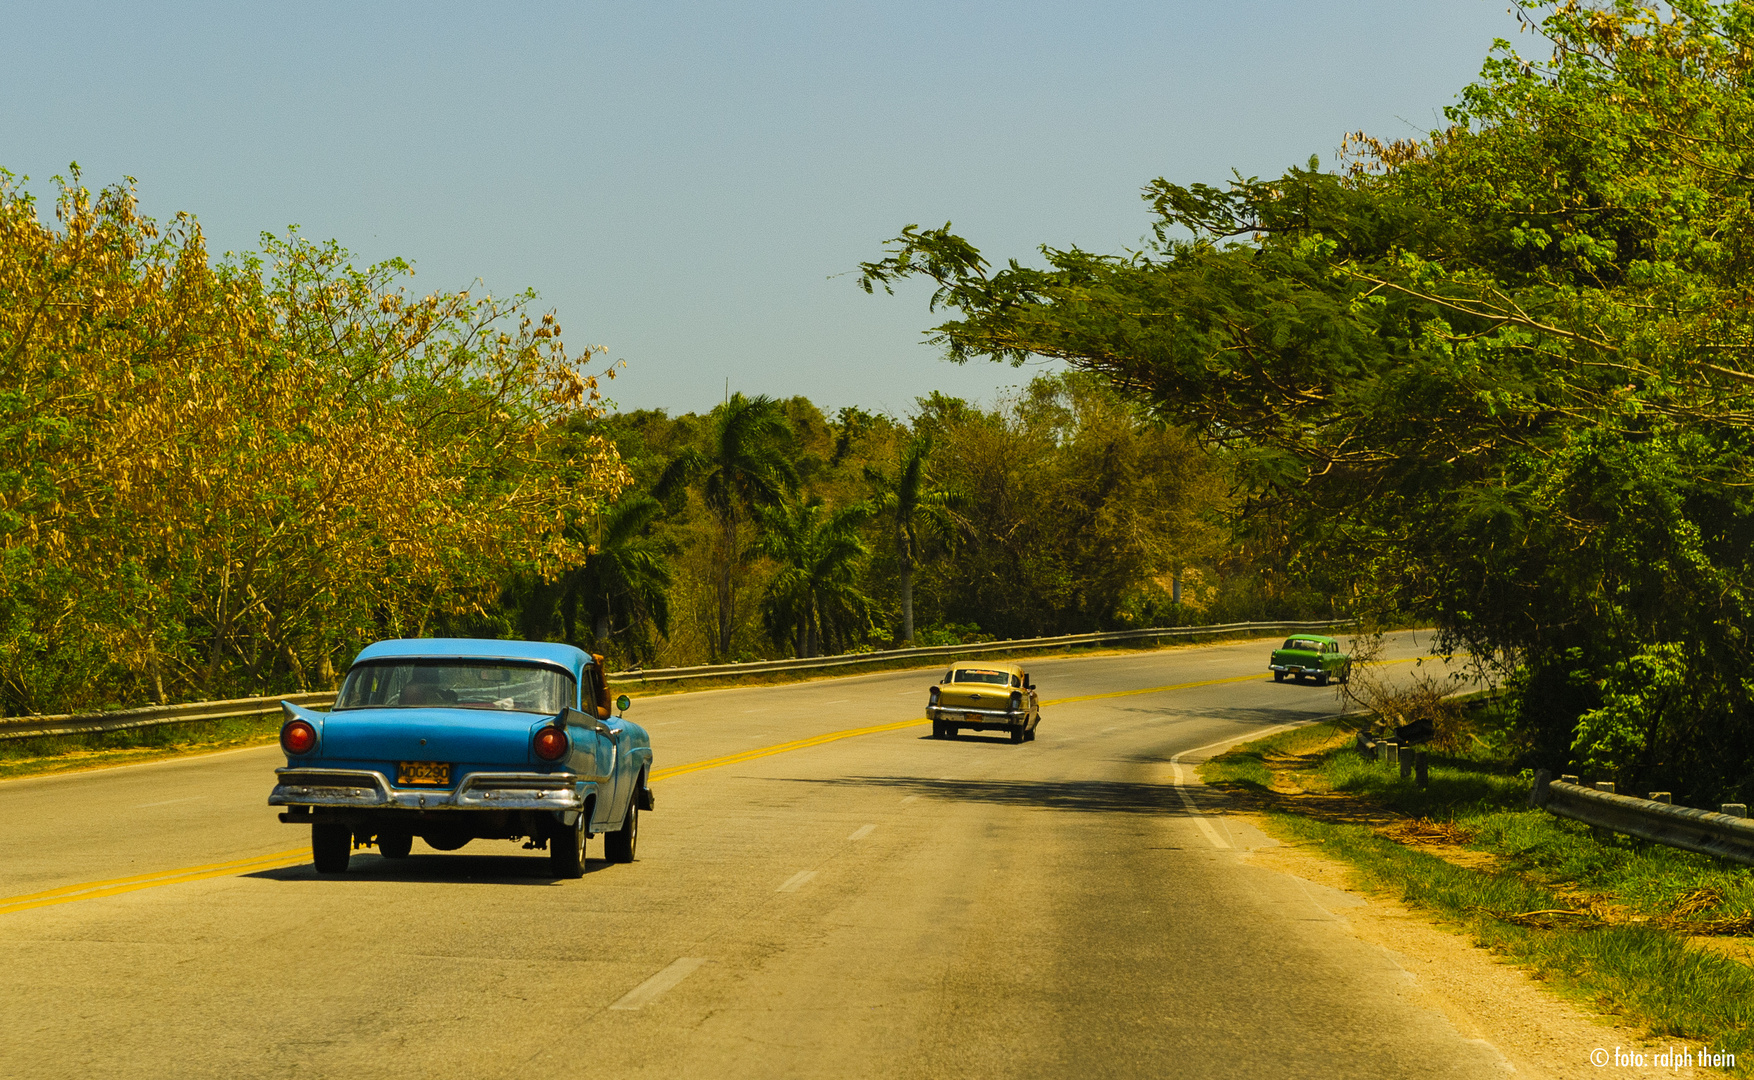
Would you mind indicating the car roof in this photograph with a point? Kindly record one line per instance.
(1005, 666)
(538, 652)
(1314, 637)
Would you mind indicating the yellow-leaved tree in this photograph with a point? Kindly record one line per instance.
(222, 477)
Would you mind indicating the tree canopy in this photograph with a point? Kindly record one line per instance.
(1500, 374)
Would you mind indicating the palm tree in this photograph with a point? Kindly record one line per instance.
(746, 464)
(814, 601)
(911, 505)
(625, 580)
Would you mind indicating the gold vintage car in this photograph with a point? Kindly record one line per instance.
(984, 697)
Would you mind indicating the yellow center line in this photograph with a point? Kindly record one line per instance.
(91, 890)
(769, 751)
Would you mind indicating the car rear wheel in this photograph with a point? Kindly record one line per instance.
(1278, 676)
(620, 845)
(395, 845)
(331, 846)
(566, 850)
(950, 731)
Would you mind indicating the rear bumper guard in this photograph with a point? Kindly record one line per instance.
(370, 789)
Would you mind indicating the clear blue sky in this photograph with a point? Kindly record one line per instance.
(682, 182)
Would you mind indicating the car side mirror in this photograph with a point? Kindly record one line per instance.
(621, 703)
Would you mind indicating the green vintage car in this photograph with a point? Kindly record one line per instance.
(1311, 655)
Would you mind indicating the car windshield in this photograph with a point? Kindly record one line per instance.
(1304, 643)
(462, 684)
(998, 678)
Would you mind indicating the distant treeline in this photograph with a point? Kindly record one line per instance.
(766, 528)
(223, 477)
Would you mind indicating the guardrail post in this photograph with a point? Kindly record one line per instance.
(1382, 750)
(1566, 778)
(1421, 776)
(1734, 809)
(1394, 757)
(1407, 763)
(1603, 835)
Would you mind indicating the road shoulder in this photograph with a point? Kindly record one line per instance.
(1539, 1032)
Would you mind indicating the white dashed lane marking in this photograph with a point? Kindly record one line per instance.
(862, 831)
(796, 881)
(647, 991)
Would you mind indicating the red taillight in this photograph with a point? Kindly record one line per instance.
(298, 738)
(550, 744)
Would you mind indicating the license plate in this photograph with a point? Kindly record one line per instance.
(972, 717)
(435, 773)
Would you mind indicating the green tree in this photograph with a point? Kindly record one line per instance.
(623, 585)
(745, 465)
(815, 599)
(1497, 375)
(913, 509)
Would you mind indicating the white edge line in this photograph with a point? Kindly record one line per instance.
(862, 831)
(649, 990)
(1175, 768)
(796, 881)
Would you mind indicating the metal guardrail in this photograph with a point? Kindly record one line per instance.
(1723, 835)
(24, 727)
(710, 671)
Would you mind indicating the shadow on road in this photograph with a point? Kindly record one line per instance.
(1091, 796)
(434, 866)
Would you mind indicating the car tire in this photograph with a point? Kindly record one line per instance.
(1029, 736)
(395, 845)
(331, 847)
(1322, 679)
(1018, 734)
(950, 731)
(1278, 676)
(620, 845)
(566, 849)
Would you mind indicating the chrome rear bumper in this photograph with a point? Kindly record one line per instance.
(941, 712)
(366, 788)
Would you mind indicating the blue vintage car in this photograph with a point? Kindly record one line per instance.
(453, 740)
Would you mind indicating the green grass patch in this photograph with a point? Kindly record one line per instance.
(67, 753)
(1246, 766)
(1650, 975)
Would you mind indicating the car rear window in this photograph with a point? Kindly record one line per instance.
(1303, 643)
(998, 678)
(458, 684)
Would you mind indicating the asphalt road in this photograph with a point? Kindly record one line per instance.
(876, 905)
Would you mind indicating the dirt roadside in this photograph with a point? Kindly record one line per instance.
(1540, 1033)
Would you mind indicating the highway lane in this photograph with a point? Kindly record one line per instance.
(875, 906)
